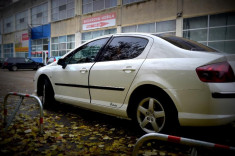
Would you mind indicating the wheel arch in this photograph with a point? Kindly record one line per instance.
(144, 89)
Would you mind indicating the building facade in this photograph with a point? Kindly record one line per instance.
(38, 28)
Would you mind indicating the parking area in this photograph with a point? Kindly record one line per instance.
(18, 81)
(73, 131)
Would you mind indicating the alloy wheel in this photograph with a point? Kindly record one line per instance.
(151, 115)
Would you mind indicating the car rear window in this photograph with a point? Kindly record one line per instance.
(186, 44)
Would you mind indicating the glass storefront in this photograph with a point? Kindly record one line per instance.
(38, 46)
(165, 27)
(216, 31)
(8, 50)
(93, 34)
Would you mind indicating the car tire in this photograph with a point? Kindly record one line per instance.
(14, 68)
(155, 114)
(48, 99)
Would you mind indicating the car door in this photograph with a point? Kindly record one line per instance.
(71, 82)
(112, 75)
(20, 63)
(29, 64)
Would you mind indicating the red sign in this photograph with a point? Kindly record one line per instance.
(105, 20)
(25, 37)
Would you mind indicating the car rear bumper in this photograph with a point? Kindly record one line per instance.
(190, 119)
(204, 107)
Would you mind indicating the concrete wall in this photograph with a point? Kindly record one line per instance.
(65, 27)
(8, 38)
(148, 11)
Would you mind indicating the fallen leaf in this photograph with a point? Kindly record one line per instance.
(106, 137)
(28, 131)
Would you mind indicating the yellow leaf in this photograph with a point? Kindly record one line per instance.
(53, 147)
(71, 135)
(92, 138)
(106, 137)
(28, 131)
(83, 127)
(79, 146)
(101, 146)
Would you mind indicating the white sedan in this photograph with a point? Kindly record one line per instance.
(158, 81)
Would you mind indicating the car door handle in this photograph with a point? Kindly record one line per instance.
(128, 69)
(83, 70)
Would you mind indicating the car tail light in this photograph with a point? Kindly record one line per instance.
(54, 59)
(5, 64)
(218, 72)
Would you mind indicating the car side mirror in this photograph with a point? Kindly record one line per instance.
(62, 63)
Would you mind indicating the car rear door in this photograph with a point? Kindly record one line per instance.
(71, 83)
(112, 75)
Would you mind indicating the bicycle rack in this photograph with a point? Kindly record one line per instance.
(178, 140)
(22, 96)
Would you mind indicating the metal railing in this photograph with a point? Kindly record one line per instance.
(178, 140)
(22, 96)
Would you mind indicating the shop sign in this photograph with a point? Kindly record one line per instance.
(25, 37)
(36, 52)
(21, 41)
(102, 21)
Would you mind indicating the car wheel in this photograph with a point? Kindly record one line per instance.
(155, 114)
(14, 68)
(47, 94)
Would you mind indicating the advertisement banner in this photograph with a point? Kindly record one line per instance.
(21, 42)
(102, 21)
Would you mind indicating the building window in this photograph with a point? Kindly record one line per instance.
(39, 15)
(8, 50)
(165, 27)
(96, 5)
(62, 9)
(62, 44)
(216, 31)
(91, 35)
(21, 20)
(22, 54)
(8, 24)
(130, 1)
(38, 46)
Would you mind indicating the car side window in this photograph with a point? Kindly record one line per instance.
(122, 48)
(28, 60)
(86, 53)
(20, 60)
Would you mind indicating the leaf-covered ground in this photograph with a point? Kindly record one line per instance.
(65, 133)
(69, 130)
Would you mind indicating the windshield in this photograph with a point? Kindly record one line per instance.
(186, 44)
